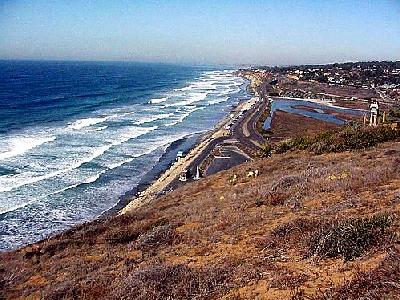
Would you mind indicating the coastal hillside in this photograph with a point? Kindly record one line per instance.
(319, 219)
(199, 150)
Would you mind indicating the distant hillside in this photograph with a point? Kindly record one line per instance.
(309, 226)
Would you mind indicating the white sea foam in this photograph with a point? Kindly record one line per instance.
(132, 133)
(230, 91)
(26, 181)
(22, 205)
(4, 210)
(19, 145)
(192, 98)
(203, 83)
(183, 117)
(120, 163)
(8, 183)
(158, 100)
(149, 119)
(172, 123)
(152, 146)
(131, 158)
(82, 123)
(217, 100)
(87, 180)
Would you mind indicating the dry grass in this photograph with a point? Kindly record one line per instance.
(381, 282)
(306, 227)
(162, 281)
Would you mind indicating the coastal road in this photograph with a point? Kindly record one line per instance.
(195, 163)
(246, 138)
(242, 135)
(245, 131)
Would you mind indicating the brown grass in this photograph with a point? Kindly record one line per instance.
(270, 237)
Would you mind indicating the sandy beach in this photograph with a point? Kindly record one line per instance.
(178, 167)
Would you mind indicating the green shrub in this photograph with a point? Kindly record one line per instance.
(349, 239)
(393, 114)
(349, 138)
(266, 151)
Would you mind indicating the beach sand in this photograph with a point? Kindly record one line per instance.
(166, 178)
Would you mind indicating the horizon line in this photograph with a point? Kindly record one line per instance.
(248, 65)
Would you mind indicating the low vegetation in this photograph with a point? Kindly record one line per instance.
(381, 282)
(306, 227)
(353, 137)
(160, 281)
(349, 239)
(393, 115)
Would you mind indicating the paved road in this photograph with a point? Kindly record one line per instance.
(247, 138)
(245, 128)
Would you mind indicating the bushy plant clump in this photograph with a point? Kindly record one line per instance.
(350, 138)
(161, 281)
(393, 115)
(349, 239)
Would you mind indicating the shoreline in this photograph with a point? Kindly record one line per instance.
(158, 186)
(156, 181)
(164, 162)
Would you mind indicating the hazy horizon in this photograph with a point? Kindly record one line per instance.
(210, 32)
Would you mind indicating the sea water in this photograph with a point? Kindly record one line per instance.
(75, 137)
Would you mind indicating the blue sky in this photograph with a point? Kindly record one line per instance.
(218, 31)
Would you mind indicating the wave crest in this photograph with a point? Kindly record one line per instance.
(82, 123)
(20, 145)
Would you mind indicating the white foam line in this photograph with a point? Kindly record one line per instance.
(134, 156)
(96, 153)
(192, 98)
(20, 145)
(14, 208)
(158, 100)
(171, 124)
(98, 128)
(184, 116)
(86, 181)
(218, 100)
(152, 118)
(82, 123)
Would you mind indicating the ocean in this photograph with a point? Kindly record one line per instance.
(77, 137)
